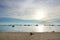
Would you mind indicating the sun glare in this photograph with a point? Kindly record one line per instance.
(39, 14)
(40, 28)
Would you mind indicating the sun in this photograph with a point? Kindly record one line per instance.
(40, 14)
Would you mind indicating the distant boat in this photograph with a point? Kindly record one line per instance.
(25, 25)
(36, 25)
(58, 25)
(28, 25)
(13, 26)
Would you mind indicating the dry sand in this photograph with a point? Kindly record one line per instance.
(29, 36)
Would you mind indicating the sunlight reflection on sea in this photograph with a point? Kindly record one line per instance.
(40, 28)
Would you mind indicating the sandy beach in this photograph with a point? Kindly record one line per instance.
(29, 35)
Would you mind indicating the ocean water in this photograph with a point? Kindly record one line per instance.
(39, 28)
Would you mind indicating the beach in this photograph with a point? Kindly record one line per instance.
(29, 35)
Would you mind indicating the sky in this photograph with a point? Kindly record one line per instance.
(42, 10)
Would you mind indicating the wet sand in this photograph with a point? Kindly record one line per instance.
(29, 36)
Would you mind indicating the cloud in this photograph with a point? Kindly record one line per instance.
(24, 9)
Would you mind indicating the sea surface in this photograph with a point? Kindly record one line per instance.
(32, 28)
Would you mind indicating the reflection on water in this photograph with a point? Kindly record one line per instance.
(40, 28)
